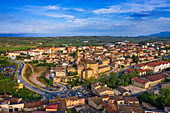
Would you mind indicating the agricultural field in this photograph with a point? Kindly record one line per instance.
(26, 43)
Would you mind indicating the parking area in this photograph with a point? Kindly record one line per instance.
(134, 89)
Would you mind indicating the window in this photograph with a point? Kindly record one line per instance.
(16, 109)
(10, 110)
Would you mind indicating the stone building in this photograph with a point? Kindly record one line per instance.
(149, 81)
(89, 68)
(156, 66)
(101, 89)
(95, 102)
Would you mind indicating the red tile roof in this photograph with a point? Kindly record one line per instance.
(51, 106)
(33, 104)
(139, 80)
(140, 65)
(153, 64)
(127, 99)
(156, 77)
(157, 63)
(110, 108)
(132, 69)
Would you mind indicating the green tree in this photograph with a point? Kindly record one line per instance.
(104, 78)
(7, 86)
(165, 96)
(135, 59)
(113, 80)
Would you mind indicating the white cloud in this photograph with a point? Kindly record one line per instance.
(164, 19)
(55, 7)
(60, 16)
(131, 7)
(78, 9)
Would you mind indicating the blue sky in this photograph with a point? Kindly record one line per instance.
(85, 17)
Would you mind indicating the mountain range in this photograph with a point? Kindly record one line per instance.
(161, 34)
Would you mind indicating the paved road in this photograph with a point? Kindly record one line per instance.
(46, 94)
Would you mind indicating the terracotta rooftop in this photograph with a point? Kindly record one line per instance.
(54, 106)
(102, 89)
(33, 104)
(132, 69)
(5, 101)
(130, 99)
(88, 61)
(95, 100)
(68, 98)
(157, 63)
(140, 65)
(122, 89)
(115, 97)
(155, 77)
(89, 68)
(14, 100)
(130, 109)
(139, 80)
(110, 108)
(134, 104)
(153, 64)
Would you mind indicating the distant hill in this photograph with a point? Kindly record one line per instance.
(23, 35)
(161, 34)
(11, 34)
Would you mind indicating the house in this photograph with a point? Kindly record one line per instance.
(58, 71)
(155, 66)
(104, 91)
(130, 109)
(59, 79)
(148, 107)
(149, 81)
(141, 71)
(132, 101)
(34, 53)
(90, 68)
(124, 91)
(52, 107)
(110, 108)
(119, 100)
(95, 102)
(101, 89)
(72, 101)
(35, 105)
(13, 55)
(71, 69)
(11, 104)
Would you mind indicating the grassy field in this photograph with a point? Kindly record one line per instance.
(16, 47)
(27, 72)
(39, 70)
(25, 43)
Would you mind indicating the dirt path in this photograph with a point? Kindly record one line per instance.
(34, 76)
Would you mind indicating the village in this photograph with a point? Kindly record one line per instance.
(113, 78)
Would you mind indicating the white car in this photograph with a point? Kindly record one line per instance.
(78, 94)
